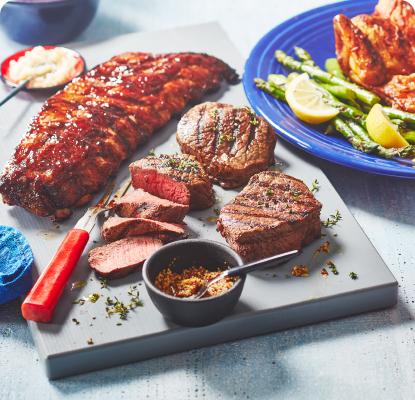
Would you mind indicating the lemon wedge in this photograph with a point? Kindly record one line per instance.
(306, 100)
(382, 130)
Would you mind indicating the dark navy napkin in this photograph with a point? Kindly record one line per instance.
(16, 261)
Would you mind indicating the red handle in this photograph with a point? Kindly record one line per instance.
(41, 301)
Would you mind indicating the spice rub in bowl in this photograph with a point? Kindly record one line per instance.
(190, 280)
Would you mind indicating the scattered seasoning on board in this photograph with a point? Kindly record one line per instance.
(185, 284)
(104, 283)
(335, 234)
(76, 321)
(78, 284)
(79, 301)
(353, 275)
(332, 267)
(324, 272)
(201, 219)
(186, 235)
(299, 270)
(122, 309)
(89, 341)
(118, 323)
(217, 211)
(212, 219)
(287, 276)
(324, 247)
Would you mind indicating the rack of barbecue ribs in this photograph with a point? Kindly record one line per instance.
(378, 51)
(83, 133)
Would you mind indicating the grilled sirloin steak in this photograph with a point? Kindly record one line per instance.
(83, 132)
(116, 228)
(118, 259)
(178, 178)
(232, 143)
(140, 204)
(274, 213)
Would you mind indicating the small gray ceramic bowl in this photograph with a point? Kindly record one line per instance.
(206, 253)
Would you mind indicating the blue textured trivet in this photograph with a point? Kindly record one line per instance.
(16, 261)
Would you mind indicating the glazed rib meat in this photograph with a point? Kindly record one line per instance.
(273, 214)
(232, 143)
(83, 133)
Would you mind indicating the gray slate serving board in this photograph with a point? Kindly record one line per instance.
(270, 301)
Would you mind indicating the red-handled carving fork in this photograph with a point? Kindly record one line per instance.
(41, 301)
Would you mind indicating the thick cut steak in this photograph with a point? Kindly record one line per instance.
(140, 204)
(179, 178)
(232, 143)
(118, 259)
(274, 213)
(83, 133)
(116, 228)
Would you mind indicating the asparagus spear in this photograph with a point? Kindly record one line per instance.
(333, 67)
(339, 91)
(278, 93)
(315, 72)
(392, 113)
(368, 143)
(408, 135)
(277, 81)
(304, 56)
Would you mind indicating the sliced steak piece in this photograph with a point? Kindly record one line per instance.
(118, 259)
(232, 143)
(274, 213)
(116, 228)
(140, 204)
(179, 178)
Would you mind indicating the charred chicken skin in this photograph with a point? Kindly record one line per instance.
(83, 133)
(378, 51)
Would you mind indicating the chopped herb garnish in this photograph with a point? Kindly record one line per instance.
(188, 164)
(353, 275)
(152, 153)
(286, 276)
(335, 234)
(186, 235)
(201, 219)
(332, 267)
(76, 321)
(283, 197)
(89, 341)
(213, 128)
(296, 193)
(104, 283)
(274, 275)
(336, 218)
(172, 161)
(109, 302)
(79, 301)
(287, 206)
(217, 211)
(315, 187)
(226, 138)
(93, 297)
(260, 202)
(269, 192)
(118, 323)
(290, 211)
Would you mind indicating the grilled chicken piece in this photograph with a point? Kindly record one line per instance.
(399, 92)
(396, 52)
(232, 143)
(401, 14)
(273, 214)
(357, 56)
(83, 133)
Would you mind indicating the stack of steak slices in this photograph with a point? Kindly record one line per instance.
(166, 187)
(275, 213)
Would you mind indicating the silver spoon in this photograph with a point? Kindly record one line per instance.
(244, 269)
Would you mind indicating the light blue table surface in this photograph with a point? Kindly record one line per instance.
(369, 356)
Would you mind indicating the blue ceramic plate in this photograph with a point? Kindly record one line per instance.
(312, 30)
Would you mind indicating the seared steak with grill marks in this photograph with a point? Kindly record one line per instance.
(140, 204)
(116, 228)
(274, 213)
(180, 178)
(231, 142)
(83, 133)
(118, 259)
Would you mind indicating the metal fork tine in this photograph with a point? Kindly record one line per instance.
(104, 199)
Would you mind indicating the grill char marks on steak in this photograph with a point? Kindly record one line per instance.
(140, 204)
(116, 228)
(83, 132)
(231, 142)
(180, 178)
(274, 213)
(118, 259)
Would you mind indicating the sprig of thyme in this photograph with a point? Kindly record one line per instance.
(315, 187)
(152, 153)
(336, 218)
(122, 309)
(104, 283)
(296, 193)
(188, 164)
(353, 275)
(79, 301)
